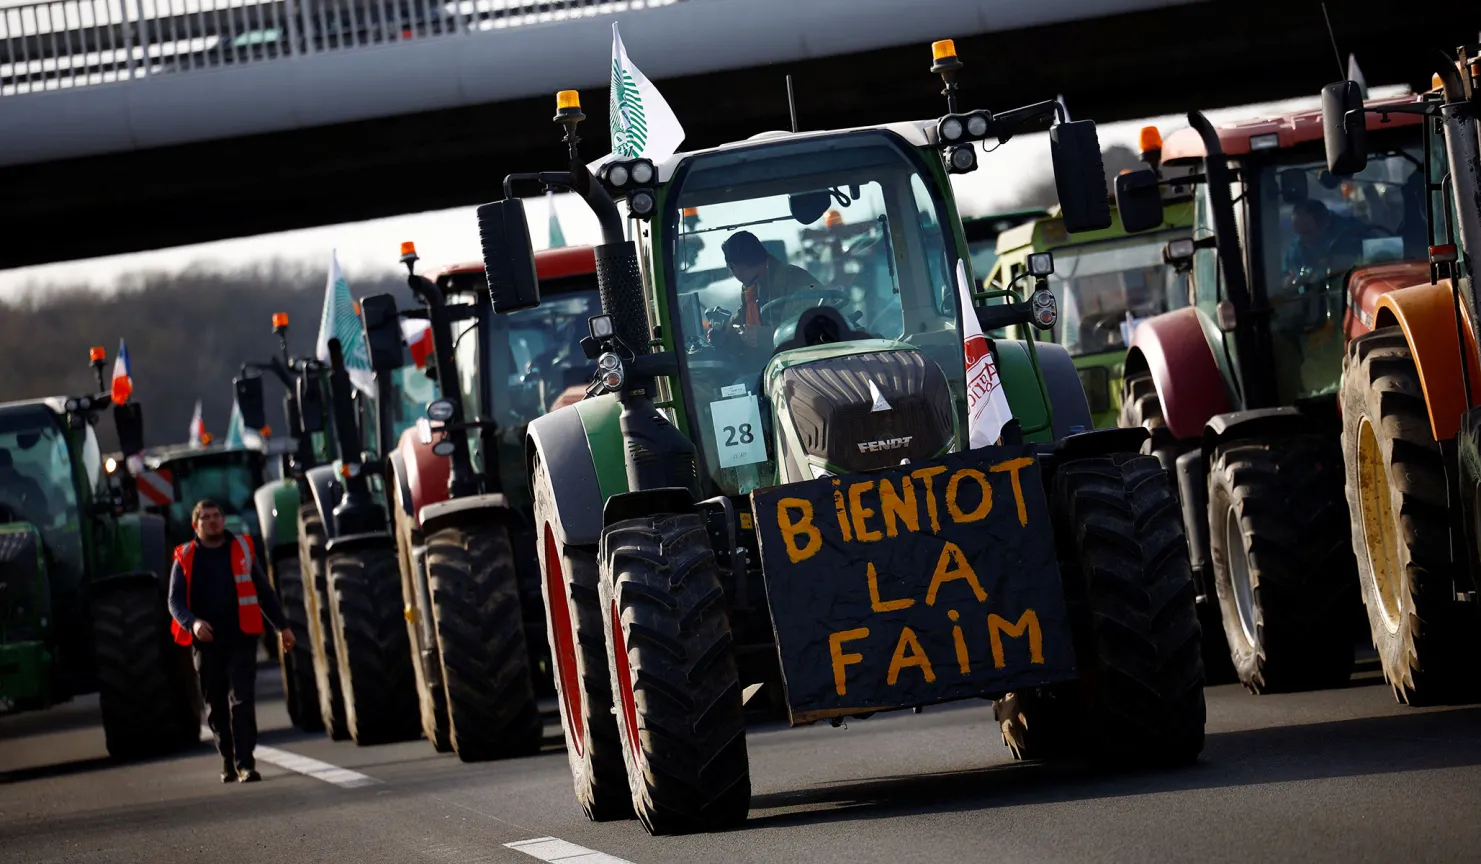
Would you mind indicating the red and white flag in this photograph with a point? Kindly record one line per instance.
(123, 381)
(987, 404)
(198, 436)
(417, 334)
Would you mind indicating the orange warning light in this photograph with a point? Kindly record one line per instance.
(97, 354)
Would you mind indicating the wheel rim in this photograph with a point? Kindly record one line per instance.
(565, 644)
(1239, 575)
(625, 684)
(1380, 527)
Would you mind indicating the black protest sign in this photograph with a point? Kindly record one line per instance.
(919, 584)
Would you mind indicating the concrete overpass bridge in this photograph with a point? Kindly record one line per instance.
(128, 125)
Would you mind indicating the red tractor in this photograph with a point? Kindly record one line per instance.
(1239, 389)
(463, 507)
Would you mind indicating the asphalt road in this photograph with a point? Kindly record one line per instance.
(1341, 775)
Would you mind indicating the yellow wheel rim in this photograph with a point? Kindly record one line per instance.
(1380, 527)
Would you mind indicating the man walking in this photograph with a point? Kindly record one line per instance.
(219, 597)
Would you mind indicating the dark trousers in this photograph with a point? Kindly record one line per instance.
(228, 676)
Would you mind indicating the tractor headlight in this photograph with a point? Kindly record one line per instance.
(951, 129)
(1045, 310)
(977, 125)
(609, 366)
(618, 175)
(963, 159)
(440, 410)
(85, 403)
(642, 172)
(71, 405)
(641, 203)
(443, 447)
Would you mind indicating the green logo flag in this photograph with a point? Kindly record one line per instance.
(557, 236)
(341, 320)
(642, 123)
(235, 427)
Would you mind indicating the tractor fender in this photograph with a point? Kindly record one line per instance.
(1255, 423)
(1176, 341)
(1367, 284)
(425, 474)
(441, 514)
(324, 487)
(277, 516)
(1066, 392)
(1426, 315)
(350, 543)
(1101, 442)
(560, 440)
(401, 492)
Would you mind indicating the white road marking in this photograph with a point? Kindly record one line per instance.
(342, 777)
(558, 850)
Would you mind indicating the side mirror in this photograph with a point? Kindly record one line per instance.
(249, 401)
(1344, 128)
(1079, 176)
(128, 420)
(310, 404)
(1295, 186)
(1139, 200)
(382, 333)
(508, 261)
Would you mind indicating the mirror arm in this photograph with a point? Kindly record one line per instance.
(580, 181)
(1008, 122)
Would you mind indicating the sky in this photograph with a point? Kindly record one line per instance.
(451, 236)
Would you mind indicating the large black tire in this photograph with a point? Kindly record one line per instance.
(1130, 594)
(300, 690)
(1141, 406)
(674, 675)
(1282, 558)
(320, 635)
(146, 686)
(375, 669)
(583, 678)
(431, 695)
(1397, 499)
(491, 706)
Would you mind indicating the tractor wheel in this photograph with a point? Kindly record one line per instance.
(1397, 498)
(1141, 406)
(674, 676)
(1130, 598)
(375, 669)
(146, 687)
(1282, 562)
(485, 665)
(300, 691)
(431, 696)
(320, 628)
(583, 679)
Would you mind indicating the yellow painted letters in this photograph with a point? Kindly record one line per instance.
(917, 657)
(1028, 621)
(801, 526)
(952, 565)
(842, 660)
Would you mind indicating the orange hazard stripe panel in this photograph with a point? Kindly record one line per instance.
(157, 487)
(1426, 314)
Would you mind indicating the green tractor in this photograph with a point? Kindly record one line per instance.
(1105, 282)
(982, 233)
(356, 631)
(83, 584)
(796, 504)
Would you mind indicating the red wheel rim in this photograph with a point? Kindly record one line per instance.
(625, 684)
(565, 644)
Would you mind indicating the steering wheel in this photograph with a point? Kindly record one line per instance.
(836, 297)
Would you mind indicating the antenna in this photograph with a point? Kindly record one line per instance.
(791, 103)
(1341, 69)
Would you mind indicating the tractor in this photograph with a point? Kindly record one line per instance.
(1105, 282)
(461, 507)
(83, 584)
(1238, 390)
(1411, 428)
(786, 495)
(352, 598)
(292, 535)
(983, 231)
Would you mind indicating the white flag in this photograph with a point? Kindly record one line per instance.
(987, 404)
(341, 320)
(197, 427)
(642, 123)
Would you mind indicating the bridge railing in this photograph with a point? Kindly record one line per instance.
(61, 44)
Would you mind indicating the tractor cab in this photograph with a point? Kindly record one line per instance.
(227, 475)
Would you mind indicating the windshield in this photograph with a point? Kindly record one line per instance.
(1315, 226)
(35, 472)
(545, 356)
(792, 245)
(1104, 292)
(229, 479)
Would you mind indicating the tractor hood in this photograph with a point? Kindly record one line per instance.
(857, 406)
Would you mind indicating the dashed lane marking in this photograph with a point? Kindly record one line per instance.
(342, 777)
(560, 851)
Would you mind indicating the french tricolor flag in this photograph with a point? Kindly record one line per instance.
(123, 383)
(417, 334)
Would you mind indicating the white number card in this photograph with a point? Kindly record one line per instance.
(738, 435)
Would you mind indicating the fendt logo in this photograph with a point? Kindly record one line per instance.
(884, 444)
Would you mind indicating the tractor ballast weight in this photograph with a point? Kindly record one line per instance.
(713, 512)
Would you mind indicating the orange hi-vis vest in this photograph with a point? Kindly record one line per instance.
(249, 612)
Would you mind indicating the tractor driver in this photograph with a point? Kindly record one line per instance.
(1324, 241)
(763, 277)
(21, 497)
